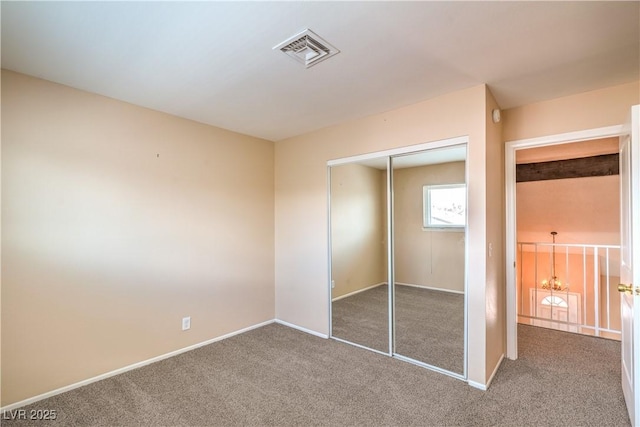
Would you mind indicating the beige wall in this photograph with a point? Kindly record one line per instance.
(301, 207)
(426, 257)
(571, 150)
(117, 221)
(604, 107)
(358, 251)
(582, 210)
(495, 308)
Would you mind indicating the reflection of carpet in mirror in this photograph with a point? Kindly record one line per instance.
(362, 318)
(429, 324)
(430, 327)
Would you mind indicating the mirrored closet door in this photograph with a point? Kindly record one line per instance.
(429, 223)
(359, 291)
(401, 218)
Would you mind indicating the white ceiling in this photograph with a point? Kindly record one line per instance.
(213, 61)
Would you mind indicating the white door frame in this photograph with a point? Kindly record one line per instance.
(510, 201)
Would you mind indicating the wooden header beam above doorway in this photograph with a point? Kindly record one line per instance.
(603, 165)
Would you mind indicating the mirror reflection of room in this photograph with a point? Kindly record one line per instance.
(359, 254)
(429, 257)
(428, 225)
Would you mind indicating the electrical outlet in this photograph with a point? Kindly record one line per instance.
(186, 323)
(333, 284)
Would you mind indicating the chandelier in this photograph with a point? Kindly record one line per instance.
(553, 283)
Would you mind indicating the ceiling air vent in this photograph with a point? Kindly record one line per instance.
(307, 47)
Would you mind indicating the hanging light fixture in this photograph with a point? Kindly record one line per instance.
(553, 284)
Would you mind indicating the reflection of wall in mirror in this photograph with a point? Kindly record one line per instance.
(358, 252)
(432, 258)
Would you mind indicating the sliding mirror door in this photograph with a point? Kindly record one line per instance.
(359, 292)
(429, 217)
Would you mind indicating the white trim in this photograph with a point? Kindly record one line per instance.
(384, 353)
(477, 385)
(459, 140)
(510, 251)
(510, 205)
(427, 216)
(430, 288)
(562, 138)
(466, 273)
(300, 328)
(430, 367)
(456, 229)
(485, 387)
(129, 368)
(391, 261)
(358, 291)
(329, 256)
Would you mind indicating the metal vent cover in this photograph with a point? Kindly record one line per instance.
(307, 48)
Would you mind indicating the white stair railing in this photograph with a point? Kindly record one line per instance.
(587, 302)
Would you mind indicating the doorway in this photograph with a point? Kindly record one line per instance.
(512, 244)
(568, 237)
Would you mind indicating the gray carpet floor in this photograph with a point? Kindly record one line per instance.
(277, 376)
(429, 324)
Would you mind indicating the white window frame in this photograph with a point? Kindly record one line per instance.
(555, 301)
(427, 217)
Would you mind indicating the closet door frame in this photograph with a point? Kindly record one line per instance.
(389, 154)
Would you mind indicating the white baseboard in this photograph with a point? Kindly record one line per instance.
(485, 387)
(128, 368)
(358, 291)
(430, 288)
(477, 385)
(300, 328)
